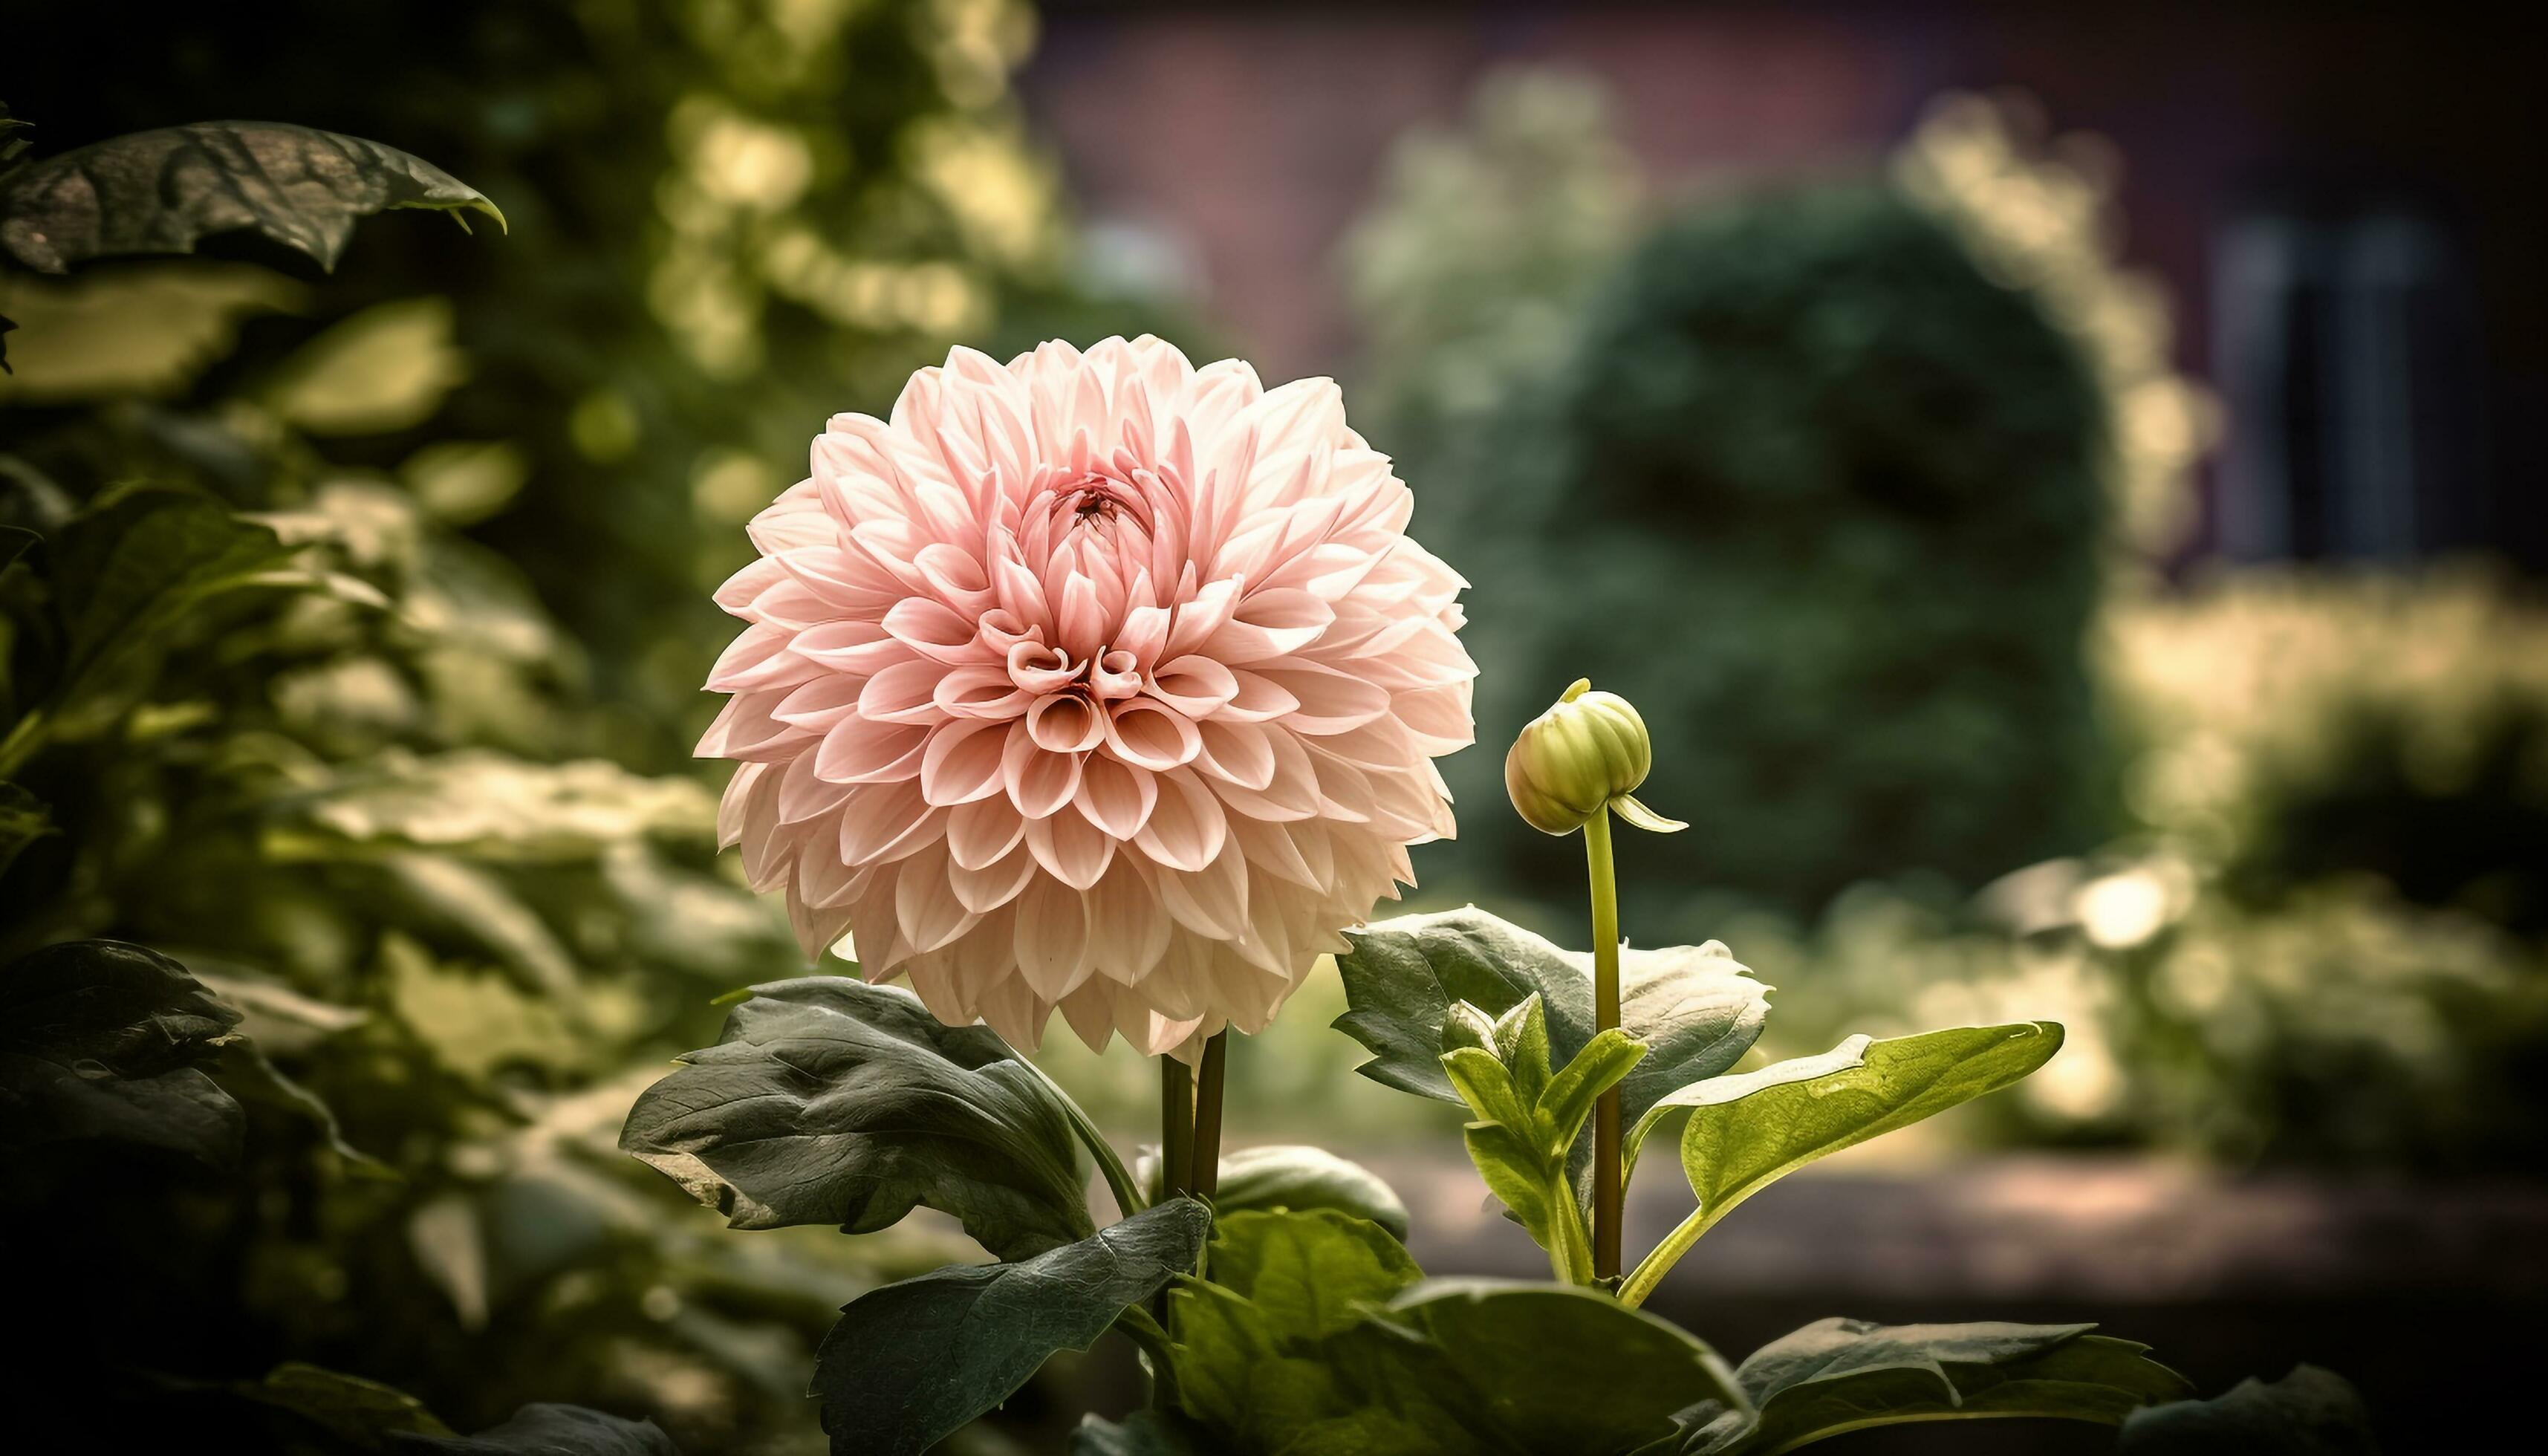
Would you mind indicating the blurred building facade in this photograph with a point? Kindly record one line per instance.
(2335, 200)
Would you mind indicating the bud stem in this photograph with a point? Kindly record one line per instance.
(1205, 1173)
(1606, 1017)
(1176, 1128)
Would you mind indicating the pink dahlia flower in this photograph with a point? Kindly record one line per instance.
(1097, 681)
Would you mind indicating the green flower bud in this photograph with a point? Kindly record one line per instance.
(1580, 758)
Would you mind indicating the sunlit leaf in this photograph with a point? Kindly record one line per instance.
(2308, 1412)
(1836, 1376)
(830, 1101)
(1733, 1150)
(911, 1362)
(347, 1406)
(386, 368)
(159, 192)
(142, 329)
(1715, 1091)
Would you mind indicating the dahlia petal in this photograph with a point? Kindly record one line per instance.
(934, 630)
(979, 691)
(926, 904)
(1129, 927)
(978, 833)
(1194, 685)
(1235, 752)
(1070, 848)
(1051, 938)
(865, 751)
(1186, 829)
(987, 888)
(1328, 702)
(820, 706)
(1114, 796)
(1065, 723)
(1150, 735)
(1038, 782)
(961, 761)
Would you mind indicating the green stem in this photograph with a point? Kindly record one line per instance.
(1571, 1256)
(1606, 1017)
(1206, 1120)
(1153, 1337)
(1651, 1269)
(1176, 1129)
(1119, 1178)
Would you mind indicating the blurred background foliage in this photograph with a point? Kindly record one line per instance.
(1890, 468)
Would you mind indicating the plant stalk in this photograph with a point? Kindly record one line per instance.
(1206, 1117)
(1606, 1017)
(1176, 1129)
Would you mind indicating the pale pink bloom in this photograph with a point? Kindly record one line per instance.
(1097, 681)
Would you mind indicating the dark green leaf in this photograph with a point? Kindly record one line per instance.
(24, 820)
(249, 1075)
(1696, 1009)
(100, 1040)
(1253, 1362)
(1733, 1150)
(1304, 1178)
(1544, 1368)
(551, 1430)
(910, 1363)
(158, 192)
(2308, 1413)
(1842, 1375)
(347, 1406)
(830, 1101)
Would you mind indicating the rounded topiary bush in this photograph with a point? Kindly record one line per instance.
(1823, 499)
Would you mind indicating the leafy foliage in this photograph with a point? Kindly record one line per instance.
(832, 1101)
(1287, 1177)
(1836, 1376)
(1527, 1118)
(105, 1041)
(2308, 1413)
(1696, 1010)
(547, 1429)
(157, 192)
(913, 1361)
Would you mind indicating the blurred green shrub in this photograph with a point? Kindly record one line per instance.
(1823, 500)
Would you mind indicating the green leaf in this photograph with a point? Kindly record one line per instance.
(1543, 1368)
(24, 819)
(1299, 1179)
(1527, 1122)
(347, 1406)
(1311, 1273)
(912, 1362)
(1732, 1150)
(160, 191)
(1716, 1091)
(1836, 1376)
(102, 1041)
(1250, 1362)
(551, 1430)
(830, 1101)
(2308, 1413)
(1694, 1008)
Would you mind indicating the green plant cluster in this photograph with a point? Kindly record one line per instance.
(333, 942)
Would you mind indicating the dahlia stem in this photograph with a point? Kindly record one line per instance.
(1207, 1123)
(1176, 1128)
(1606, 1017)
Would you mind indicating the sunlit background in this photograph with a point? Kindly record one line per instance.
(2063, 485)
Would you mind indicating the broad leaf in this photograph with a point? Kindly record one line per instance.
(2308, 1413)
(1544, 1368)
(1250, 1362)
(347, 1406)
(103, 1041)
(551, 1430)
(159, 192)
(1732, 1150)
(1716, 1091)
(830, 1101)
(1300, 1179)
(1141, 1433)
(1836, 1376)
(912, 1362)
(1694, 1008)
